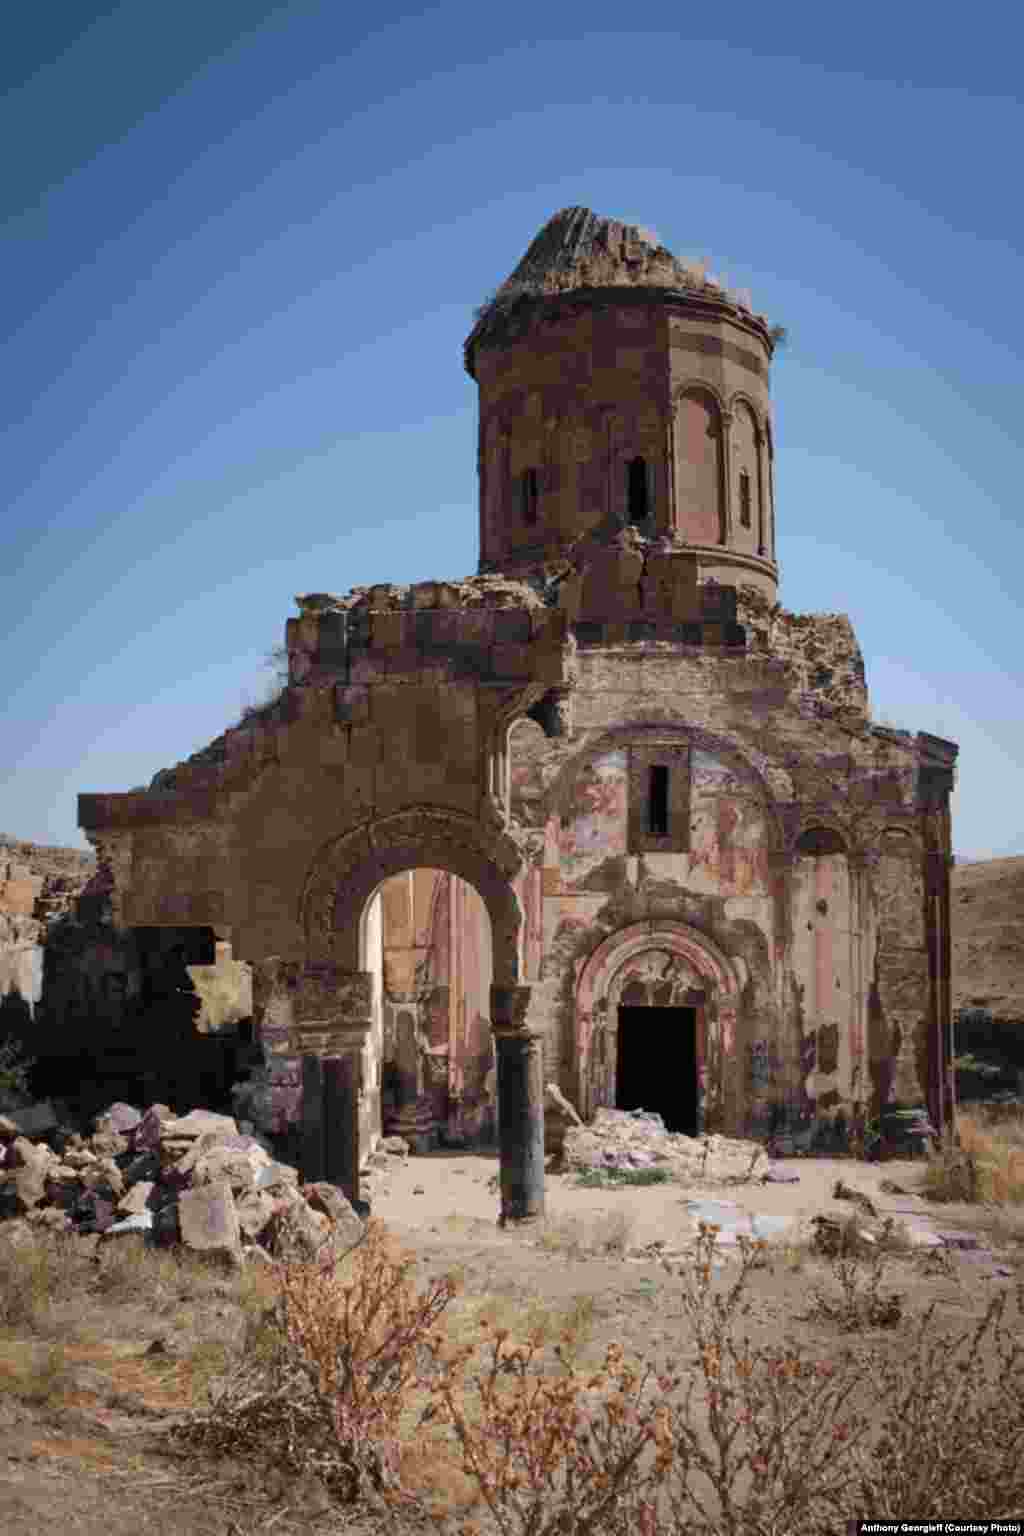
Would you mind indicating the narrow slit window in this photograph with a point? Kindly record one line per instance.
(638, 498)
(745, 498)
(657, 801)
(529, 486)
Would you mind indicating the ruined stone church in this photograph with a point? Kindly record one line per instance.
(603, 815)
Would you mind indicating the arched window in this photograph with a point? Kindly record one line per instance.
(657, 801)
(745, 498)
(639, 498)
(529, 495)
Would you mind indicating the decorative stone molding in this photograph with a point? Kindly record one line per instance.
(320, 1008)
(347, 871)
(715, 993)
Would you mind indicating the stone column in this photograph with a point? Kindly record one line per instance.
(341, 1120)
(726, 487)
(331, 1018)
(311, 1127)
(520, 1106)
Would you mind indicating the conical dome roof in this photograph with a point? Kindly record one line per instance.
(578, 248)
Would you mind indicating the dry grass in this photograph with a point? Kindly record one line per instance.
(60, 1303)
(982, 1164)
(607, 1232)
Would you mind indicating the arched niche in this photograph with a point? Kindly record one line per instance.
(699, 468)
(747, 512)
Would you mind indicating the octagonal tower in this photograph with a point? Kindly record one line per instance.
(622, 393)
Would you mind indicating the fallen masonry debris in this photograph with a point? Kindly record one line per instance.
(194, 1180)
(620, 1140)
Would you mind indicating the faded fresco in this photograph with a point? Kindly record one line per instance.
(728, 834)
(595, 830)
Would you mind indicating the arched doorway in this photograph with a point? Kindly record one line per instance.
(427, 944)
(656, 1021)
(335, 904)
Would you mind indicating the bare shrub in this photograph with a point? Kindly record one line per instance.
(331, 1399)
(551, 1453)
(952, 1432)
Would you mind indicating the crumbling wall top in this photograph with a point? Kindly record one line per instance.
(580, 252)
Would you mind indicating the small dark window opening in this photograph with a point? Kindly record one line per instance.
(529, 487)
(637, 498)
(745, 498)
(657, 801)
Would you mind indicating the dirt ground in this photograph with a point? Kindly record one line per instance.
(89, 1460)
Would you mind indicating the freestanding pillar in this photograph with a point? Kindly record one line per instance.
(341, 1123)
(520, 1107)
(330, 1019)
(311, 1133)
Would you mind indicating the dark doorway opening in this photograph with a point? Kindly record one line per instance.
(657, 1064)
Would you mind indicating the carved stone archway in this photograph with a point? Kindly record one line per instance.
(335, 899)
(658, 963)
(347, 871)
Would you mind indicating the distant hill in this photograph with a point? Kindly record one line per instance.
(987, 921)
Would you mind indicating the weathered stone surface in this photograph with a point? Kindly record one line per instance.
(209, 1221)
(137, 1221)
(104, 1175)
(559, 1115)
(23, 1188)
(295, 1229)
(620, 1140)
(328, 1200)
(238, 1167)
(196, 1123)
(137, 1198)
(110, 1143)
(119, 1118)
(255, 1210)
(272, 1175)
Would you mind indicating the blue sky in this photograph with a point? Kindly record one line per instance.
(242, 245)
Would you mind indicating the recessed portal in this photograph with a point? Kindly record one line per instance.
(657, 1064)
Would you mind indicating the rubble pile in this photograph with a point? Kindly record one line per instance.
(196, 1180)
(620, 1140)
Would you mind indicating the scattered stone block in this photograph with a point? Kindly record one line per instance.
(137, 1199)
(118, 1118)
(621, 1140)
(197, 1122)
(329, 1200)
(138, 1221)
(209, 1221)
(255, 1212)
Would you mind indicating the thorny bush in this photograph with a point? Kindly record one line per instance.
(730, 1440)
